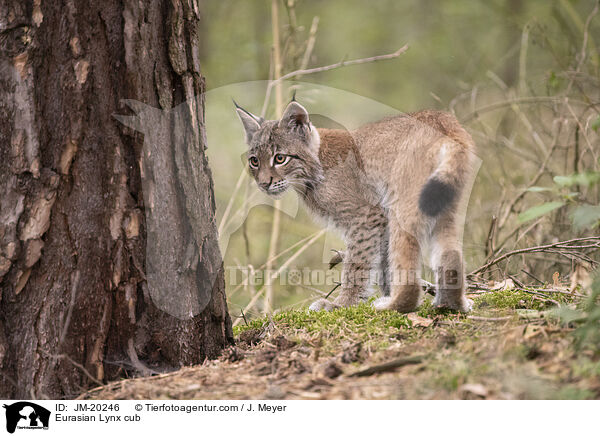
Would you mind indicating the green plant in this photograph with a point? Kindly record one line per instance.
(582, 215)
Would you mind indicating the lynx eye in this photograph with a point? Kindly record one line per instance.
(253, 161)
(280, 159)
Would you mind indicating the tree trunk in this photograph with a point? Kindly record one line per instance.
(102, 230)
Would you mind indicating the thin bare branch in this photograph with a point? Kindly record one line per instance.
(510, 208)
(562, 245)
(310, 44)
(523, 100)
(230, 203)
(343, 63)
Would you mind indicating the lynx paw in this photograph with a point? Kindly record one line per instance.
(388, 303)
(346, 300)
(382, 303)
(465, 305)
(322, 304)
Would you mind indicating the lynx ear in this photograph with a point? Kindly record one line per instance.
(295, 118)
(251, 122)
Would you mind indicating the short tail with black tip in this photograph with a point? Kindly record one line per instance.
(444, 186)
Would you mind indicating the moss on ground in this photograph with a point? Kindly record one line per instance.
(365, 320)
(509, 299)
(360, 323)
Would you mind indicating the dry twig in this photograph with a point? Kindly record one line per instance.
(388, 366)
(556, 247)
(340, 64)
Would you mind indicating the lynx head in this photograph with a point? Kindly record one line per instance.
(282, 153)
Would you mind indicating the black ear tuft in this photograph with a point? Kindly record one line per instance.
(436, 196)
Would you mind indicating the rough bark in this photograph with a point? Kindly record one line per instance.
(75, 306)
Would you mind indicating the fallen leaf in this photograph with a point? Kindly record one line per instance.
(419, 321)
(555, 278)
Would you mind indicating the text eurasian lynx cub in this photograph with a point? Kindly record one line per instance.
(391, 187)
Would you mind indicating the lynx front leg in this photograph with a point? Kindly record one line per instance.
(404, 264)
(358, 260)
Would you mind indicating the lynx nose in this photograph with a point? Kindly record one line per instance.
(266, 185)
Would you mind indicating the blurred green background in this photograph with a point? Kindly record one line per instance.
(522, 76)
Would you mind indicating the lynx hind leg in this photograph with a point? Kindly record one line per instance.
(447, 263)
(404, 271)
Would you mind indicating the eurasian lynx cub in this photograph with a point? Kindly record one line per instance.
(390, 187)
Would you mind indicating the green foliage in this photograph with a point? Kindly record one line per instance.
(427, 310)
(540, 210)
(584, 179)
(582, 215)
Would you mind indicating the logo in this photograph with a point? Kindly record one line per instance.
(26, 415)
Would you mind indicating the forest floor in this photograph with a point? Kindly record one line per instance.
(509, 347)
